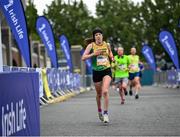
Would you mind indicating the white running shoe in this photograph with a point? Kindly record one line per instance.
(101, 117)
(106, 118)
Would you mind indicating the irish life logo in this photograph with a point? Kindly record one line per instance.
(13, 118)
(11, 11)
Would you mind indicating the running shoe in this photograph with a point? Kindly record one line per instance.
(125, 92)
(130, 92)
(136, 96)
(101, 116)
(106, 118)
(123, 101)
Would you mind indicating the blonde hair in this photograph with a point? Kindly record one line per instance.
(120, 48)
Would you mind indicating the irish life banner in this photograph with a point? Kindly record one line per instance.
(44, 29)
(169, 45)
(14, 14)
(66, 50)
(148, 54)
(88, 63)
(19, 104)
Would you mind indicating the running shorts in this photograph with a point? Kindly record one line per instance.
(98, 75)
(121, 80)
(133, 75)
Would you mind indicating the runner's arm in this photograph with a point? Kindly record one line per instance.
(110, 52)
(87, 53)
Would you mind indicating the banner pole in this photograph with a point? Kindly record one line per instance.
(1, 60)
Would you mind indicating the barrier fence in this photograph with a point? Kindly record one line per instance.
(56, 85)
(169, 78)
(19, 104)
(64, 84)
(31, 86)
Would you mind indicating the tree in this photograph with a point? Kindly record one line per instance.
(71, 20)
(31, 16)
(117, 19)
(123, 22)
(159, 15)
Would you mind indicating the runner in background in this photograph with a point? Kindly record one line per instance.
(141, 68)
(134, 74)
(121, 72)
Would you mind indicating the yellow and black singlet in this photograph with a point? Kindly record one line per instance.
(100, 62)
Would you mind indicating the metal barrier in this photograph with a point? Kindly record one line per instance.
(86, 81)
(56, 82)
(169, 78)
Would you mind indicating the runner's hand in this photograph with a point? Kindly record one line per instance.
(98, 52)
(112, 59)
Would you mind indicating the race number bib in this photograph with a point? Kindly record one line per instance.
(102, 60)
(122, 67)
(134, 67)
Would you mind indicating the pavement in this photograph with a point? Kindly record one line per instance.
(155, 113)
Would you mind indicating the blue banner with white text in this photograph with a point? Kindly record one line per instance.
(14, 14)
(169, 45)
(66, 50)
(44, 29)
(148, 54)
(88, 63)
(19, 104)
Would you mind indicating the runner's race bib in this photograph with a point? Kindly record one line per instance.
(122, 67)
(134, 67)
(102, 60)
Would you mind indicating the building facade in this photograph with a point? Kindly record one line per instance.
(10, 53)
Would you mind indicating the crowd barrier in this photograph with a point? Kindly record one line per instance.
(56, 85)
(19, 104)
(169, 78)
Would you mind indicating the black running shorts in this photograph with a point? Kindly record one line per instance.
(98, 75)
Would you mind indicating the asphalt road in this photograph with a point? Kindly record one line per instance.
(155, 113)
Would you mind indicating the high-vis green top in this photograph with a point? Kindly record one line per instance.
(100, 62)
(134, 63)
(113, 68)
(121, 69)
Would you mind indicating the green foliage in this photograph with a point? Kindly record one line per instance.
(31, 16)
(159, 15)
(123, 22)
(71, 20)
(119, 17)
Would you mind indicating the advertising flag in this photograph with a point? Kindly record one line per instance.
(44, 29)
(148, 54)
(169, 45)
(88, 63)
(66, 50)
(14, 14)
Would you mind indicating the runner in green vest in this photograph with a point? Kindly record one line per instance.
(121, 72)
